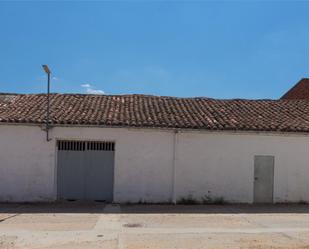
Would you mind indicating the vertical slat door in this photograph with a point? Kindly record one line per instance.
(99, 177)
(71, 174)
(85, 170)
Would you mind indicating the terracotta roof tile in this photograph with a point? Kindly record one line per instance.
(299, 91)
(154, 111)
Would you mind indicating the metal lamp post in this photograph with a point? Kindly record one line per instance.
(48, 72)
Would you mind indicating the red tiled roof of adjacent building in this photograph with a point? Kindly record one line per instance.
(157, 112)
(299, 91)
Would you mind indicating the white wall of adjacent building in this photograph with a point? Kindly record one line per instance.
(158, 165)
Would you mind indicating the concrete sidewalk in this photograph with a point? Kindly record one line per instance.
(95, 225)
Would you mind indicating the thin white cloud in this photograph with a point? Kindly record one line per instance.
(89, 89)
(94, 91)
(85, 85)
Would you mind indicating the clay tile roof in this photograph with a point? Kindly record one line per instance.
(299, 91)
(156, 112)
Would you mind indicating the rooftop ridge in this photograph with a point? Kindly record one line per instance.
(138, 95)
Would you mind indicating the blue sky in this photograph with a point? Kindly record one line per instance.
(244, 49)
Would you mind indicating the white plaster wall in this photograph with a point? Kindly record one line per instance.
(207, 163)
(143, 162)
(26, 164)
(222, 165)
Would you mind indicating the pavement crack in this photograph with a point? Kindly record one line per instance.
(9, 217)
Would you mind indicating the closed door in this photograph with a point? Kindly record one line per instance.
(99, 178)
(85, 170)
(263, 179)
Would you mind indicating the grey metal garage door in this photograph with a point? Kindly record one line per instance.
(85, 170)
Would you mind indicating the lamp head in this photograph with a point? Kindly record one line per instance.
(46, 69)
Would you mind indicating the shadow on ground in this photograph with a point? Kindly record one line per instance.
(98, 207)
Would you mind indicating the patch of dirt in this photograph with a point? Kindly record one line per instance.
(132, 225)
(212, 241)
(52, 222)
(187, 220)
(110, 244)
(7, 242)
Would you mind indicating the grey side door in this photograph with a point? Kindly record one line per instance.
(263, 179)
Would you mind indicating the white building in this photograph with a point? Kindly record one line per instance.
(137, 148)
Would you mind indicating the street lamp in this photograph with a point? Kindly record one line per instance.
(47, 71)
